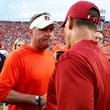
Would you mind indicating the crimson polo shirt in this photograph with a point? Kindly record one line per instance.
(80, 80)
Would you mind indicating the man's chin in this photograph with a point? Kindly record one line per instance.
(44, 47)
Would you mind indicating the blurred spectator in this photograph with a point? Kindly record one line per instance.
(99, 38)
(2, 57)
(59, 48)
(106, 50)
(18, 43)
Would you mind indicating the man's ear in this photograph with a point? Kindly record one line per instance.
(70, 22)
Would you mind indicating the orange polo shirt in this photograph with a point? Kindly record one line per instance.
(26, 71)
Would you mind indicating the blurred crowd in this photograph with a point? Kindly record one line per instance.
(10, 31)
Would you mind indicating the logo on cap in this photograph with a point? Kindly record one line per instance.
(46, 18)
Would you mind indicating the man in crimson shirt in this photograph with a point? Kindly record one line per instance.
(81, 78)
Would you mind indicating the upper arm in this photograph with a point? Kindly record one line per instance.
(9, 75)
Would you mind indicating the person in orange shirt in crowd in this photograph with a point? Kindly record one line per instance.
(106, 50)
(27, 70)
(81, 79)
(59, 48)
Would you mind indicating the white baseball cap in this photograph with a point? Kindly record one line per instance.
(42, 21)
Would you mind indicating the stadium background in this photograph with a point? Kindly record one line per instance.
(11, 30)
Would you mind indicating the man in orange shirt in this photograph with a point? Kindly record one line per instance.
(24, 78)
